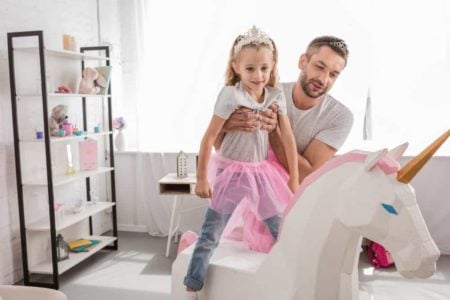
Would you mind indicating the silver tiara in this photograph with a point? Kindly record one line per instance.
(254, 36)
(341, 45)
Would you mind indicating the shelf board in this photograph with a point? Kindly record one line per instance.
(55, 139)
(62, 95)
(74, 258)
(68, 220)
(63, 53)
(63, 179)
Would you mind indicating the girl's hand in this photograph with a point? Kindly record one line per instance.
(203, 189)
(293, 184)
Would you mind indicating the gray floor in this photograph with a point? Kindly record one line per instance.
(388, 284)
(139, 270)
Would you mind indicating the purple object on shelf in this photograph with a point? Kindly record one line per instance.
(39, 135)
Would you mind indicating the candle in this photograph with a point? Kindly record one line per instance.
(70, 170)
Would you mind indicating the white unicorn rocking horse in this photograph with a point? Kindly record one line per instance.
(356, 195)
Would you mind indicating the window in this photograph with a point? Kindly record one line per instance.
(398, 49)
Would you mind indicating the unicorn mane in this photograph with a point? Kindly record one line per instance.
(387, 164)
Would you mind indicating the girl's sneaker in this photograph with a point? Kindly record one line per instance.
(188, 295)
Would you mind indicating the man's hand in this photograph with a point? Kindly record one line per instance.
(243, 119)
(269, 118)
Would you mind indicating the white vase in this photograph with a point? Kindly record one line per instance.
(120, 141)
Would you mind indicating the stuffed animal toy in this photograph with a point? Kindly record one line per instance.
(87, 84)
(59, 114)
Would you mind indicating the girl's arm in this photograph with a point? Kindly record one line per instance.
(290, 148)
(202, 187)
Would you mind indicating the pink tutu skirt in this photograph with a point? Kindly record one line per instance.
(251, 192)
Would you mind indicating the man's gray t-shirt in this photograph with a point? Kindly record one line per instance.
(242, 145)
(329, 121)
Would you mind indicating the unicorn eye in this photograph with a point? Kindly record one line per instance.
(389, 208)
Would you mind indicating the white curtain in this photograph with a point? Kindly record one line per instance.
(140, 205)
(156, 208)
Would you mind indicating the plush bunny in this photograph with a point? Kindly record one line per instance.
(87, 84)
(59, 114)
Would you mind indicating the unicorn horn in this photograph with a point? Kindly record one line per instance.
(407, 173)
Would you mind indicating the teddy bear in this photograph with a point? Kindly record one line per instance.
(88, 82)
(59, 114)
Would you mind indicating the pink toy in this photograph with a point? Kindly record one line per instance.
(188, 238)
(68, 128)
(87, 84)
(378, 256)
(63, 89)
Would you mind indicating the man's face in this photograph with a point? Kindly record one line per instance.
(320, 71)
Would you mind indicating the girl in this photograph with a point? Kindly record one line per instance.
(240, 171)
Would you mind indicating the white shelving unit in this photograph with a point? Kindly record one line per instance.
(63, 53)
(75, 258)
(71, 219)
(62, 95)
(64, 179)
(76, 223)
(55, 139)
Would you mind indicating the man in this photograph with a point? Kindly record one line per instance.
(320, 123)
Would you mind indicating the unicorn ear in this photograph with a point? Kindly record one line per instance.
(398, 151)
(373, 158)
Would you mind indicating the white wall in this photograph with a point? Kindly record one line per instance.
(55, 18)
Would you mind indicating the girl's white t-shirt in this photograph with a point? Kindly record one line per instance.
(241, 145)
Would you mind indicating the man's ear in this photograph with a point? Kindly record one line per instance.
(302, 61)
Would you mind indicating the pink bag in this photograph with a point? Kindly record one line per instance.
(379, 257)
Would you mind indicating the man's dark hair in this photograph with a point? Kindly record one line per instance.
(336, 44)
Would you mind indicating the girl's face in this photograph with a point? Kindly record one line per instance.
(254, 67)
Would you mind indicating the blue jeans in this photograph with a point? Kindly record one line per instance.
(208, 240)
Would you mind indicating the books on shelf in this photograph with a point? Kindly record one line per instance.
(82, 245)
(105, 72)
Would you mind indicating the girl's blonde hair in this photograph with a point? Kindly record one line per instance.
(231, 78)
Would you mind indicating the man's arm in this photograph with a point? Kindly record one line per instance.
(243, 119)
(315, 155)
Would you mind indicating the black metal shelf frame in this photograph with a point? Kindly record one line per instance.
(55, 274)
